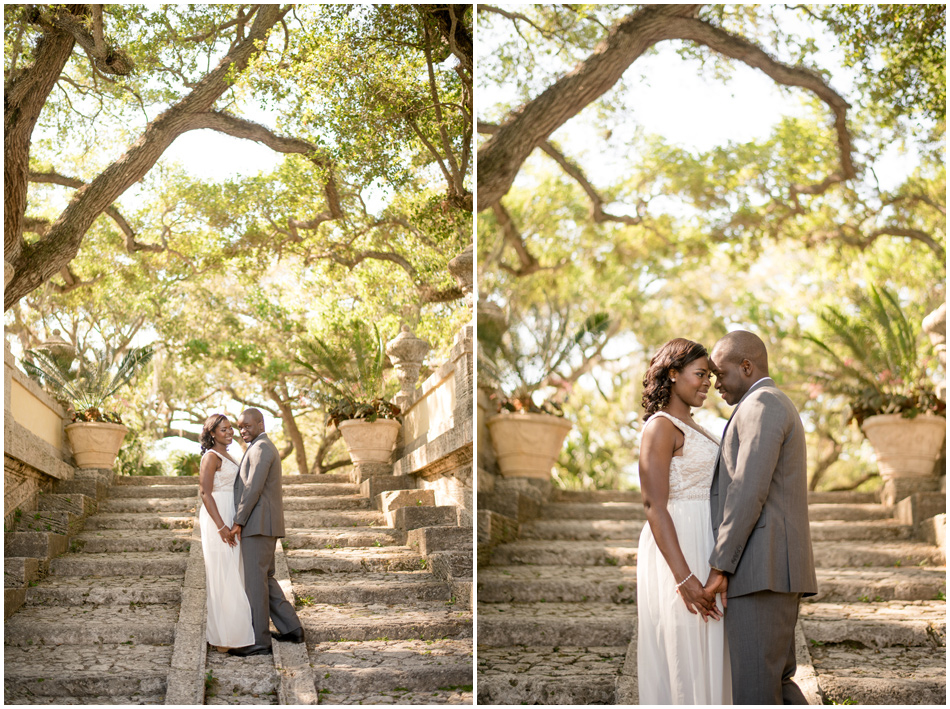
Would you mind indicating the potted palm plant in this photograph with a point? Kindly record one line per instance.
(350, 383)
(95, 435)
(888, 383)
(523, 367)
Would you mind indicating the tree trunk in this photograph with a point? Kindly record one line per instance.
(35, 263)
(291, 429)
(24, 98)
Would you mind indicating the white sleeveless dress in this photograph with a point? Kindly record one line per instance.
(229, 613)
(681, 659)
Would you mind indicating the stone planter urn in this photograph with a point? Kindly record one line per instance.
(906, 451)
(527, 445)
(370, 442)
(95, 445)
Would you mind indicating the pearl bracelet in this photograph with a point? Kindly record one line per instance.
(222, 527)
(684, 581)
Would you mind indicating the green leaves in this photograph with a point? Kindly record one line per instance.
(872, 346)
(88, 390)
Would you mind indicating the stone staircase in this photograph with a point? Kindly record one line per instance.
(100, 627)
(118, 618)
(382, 625)
(557, 613)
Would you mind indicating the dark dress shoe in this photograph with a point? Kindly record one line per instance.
(293, 636)
(249, 650)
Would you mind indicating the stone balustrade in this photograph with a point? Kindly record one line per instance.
(35, 453)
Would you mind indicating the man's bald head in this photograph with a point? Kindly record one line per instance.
(741, 344)
(250, 424)
(738, 360)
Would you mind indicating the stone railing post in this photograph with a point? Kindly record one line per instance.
(935, 325)
(407, 353)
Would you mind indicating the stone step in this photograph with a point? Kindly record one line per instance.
(594, 510)
(350, 560)
(878, 531)
(135, 563)
(118, 591)
(155, 480)
(876, 625)
(451, 565)
(446, 696)
(581, 530)
(65, 523)
(315, 490)
(418, 621)
(858, 553)
(848, 512)
(326, 478)
(399, 587)
(91, 488)
(556, 624)
(557, 584)
(337, 538)
(40, 674)
(137, 699)
(37, 545)
(21, 570)
(129, 520)
(149, 505)
(894, 675)
(312, 520)
(87, 625)
(843, 498)
(158, 492)
(325, 502)
(549, 675)
(613, 552)
(78, 504)
(426, 540)
(240, 680)
(114, 541)
(877, 584)
(595, 496)
(350, 668)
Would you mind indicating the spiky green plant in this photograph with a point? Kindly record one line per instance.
(87, 392)
(349, 376)
(533, 354)
(875, 362)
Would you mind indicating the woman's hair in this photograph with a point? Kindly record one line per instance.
(211, 423)
(657, 385)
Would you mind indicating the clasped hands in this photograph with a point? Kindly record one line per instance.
(701, 598)
(231, 536)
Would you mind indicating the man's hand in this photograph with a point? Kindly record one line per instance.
(236, 532)
(716, 583)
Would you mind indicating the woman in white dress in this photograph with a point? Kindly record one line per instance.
(229, 613)
(682, 655)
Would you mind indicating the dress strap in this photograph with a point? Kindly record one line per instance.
(676, 422)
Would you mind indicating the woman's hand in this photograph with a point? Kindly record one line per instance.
(696, 600)
(226, 536)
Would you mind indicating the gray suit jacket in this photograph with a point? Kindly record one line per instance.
(258, 500)
(759, 498)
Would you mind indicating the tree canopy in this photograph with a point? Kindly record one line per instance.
(369, 112)
(579, 201)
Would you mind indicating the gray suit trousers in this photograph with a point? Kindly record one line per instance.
(760, 628)
(264, 594)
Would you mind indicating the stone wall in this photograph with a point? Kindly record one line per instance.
(35, 452)
(437, 445)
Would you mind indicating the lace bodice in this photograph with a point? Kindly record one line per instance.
(691, 473)
(224, 478)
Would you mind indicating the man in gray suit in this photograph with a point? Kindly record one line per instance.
(258, 523)
(759, 500)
